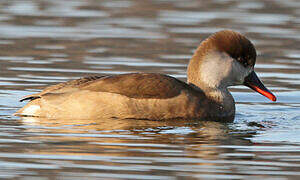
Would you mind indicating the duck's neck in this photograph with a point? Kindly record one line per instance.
(223, 104)
(204, 75)
(221, 96)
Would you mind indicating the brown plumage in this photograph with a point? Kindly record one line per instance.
(134, 85)
(63, 87)
(234, 44)
(226, 58)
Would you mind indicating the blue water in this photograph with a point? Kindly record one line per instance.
(46, 42)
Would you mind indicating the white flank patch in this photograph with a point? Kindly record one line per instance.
(31, 110)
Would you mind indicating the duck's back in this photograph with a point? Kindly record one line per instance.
(135, 95)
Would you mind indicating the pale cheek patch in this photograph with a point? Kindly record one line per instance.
(31, 110)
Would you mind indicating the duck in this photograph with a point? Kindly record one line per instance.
(224, 59)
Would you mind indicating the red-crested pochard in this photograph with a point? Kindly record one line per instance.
(224, 59)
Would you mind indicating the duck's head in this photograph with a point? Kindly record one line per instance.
(225, 59)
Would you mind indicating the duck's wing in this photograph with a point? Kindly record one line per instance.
(63, 87)
(139, 85)
(133, 85)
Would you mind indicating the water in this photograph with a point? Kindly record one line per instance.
(45, 42)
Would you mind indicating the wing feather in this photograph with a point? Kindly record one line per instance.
(133, 85)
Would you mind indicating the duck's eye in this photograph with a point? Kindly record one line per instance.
(243, 62)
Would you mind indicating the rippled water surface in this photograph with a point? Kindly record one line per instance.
(44, 42)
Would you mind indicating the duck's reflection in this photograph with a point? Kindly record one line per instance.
(196, 139)
(133, 146)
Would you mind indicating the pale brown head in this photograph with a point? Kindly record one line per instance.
(224, 59)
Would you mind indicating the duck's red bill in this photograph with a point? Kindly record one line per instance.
(253, 82)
